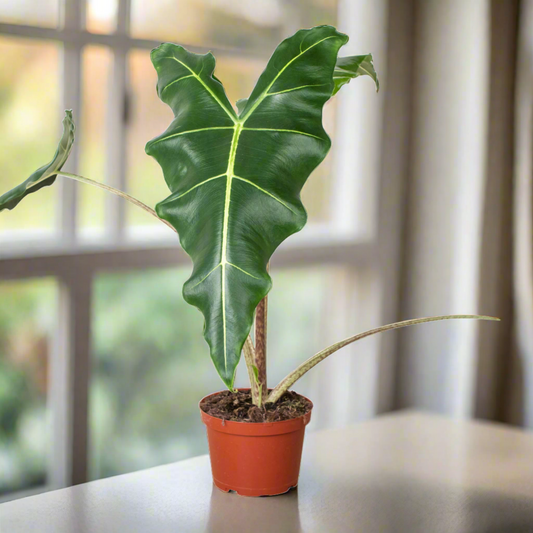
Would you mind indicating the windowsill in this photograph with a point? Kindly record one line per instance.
(20, 244)
(406, 468)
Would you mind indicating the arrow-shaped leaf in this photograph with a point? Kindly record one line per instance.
(236, 179)
(47, 174)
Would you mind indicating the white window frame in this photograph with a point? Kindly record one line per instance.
(364, 298)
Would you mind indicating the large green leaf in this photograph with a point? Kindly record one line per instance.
(236, 179)
(47, 174)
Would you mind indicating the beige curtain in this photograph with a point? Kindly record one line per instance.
(517, 396)
(469, 183)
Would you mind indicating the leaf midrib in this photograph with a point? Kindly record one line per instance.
(227, 201)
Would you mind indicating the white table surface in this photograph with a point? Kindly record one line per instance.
(405, 472)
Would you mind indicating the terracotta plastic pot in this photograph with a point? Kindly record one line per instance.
(255, 459)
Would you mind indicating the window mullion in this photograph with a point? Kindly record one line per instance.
(69, 379)
(74, 13)
(123, 17)
(68, 189)
(68, 385)
(69, 382)
(116, 129)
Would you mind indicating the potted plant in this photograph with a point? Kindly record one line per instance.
(235, 178)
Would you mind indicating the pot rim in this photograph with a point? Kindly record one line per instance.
(254, 428)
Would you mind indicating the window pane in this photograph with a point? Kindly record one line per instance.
(316, 194)
(150, 117)
(152, 365)
(97, 62)
(27, 321)
(239, 75)
(30, 12)
(102, 16)
(258, 25)
(315, 12)
(30, 126)
(295, 322)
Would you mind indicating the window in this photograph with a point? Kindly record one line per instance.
(150, 370)
(99, 285)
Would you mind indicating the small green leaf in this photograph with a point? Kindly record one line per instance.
(348, 68)
(256, 373)
(47, 174)
(241, 104)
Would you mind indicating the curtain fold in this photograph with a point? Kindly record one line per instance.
(494, 358)
(520, 381)
(468, 237)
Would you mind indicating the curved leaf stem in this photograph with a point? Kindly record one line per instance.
(249, 358)
(294, 376)
(122, 194)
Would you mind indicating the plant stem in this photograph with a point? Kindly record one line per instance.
(294, 376)
(261, 315)
(249, 358)
(122, 194)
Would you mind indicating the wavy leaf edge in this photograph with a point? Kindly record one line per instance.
(169, 86)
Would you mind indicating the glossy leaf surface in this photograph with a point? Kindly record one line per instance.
(47, 174)
(236, 179)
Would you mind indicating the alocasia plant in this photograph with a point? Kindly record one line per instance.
(235, 179)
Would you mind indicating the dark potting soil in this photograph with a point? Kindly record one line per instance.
(238, 407)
